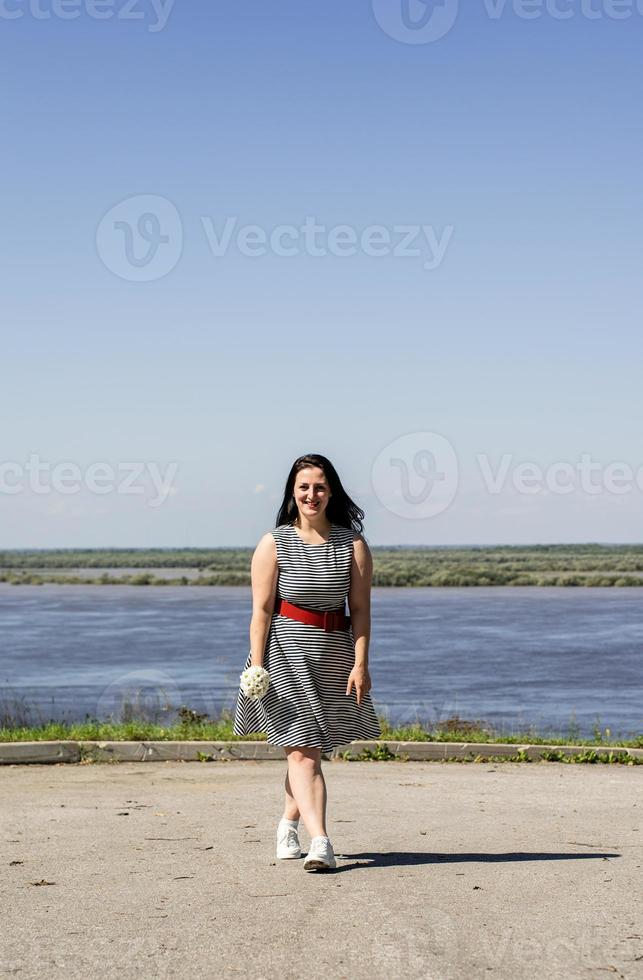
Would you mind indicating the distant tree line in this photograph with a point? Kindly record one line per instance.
(535, 565)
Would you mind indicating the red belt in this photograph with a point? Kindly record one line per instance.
(330, 620)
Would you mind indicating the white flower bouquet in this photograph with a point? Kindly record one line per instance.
(255, 682)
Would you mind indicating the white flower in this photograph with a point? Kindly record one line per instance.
(254, 682)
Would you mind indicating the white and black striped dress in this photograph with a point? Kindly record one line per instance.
(306, 703)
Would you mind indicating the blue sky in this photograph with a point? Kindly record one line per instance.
(473, 281)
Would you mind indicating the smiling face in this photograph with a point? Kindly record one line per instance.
(311, 492)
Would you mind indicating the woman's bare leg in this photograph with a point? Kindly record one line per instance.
(291, 810)
(308, 787)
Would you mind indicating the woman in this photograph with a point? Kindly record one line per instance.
(310, 564)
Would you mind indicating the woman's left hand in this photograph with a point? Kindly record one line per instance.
(360, 677)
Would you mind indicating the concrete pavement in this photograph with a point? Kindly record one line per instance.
(445, 870)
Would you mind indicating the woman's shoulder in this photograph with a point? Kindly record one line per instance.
(277, 533)
(359, 543)
(350, 535)
(272, 535)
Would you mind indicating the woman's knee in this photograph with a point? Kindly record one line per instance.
(304, 756)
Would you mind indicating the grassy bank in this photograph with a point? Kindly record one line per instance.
(589, 565)
(195, 727)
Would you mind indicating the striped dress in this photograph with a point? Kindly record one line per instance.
(306, 703)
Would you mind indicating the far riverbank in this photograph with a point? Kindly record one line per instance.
(581, 565)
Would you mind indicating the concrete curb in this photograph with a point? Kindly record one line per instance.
(17, 753)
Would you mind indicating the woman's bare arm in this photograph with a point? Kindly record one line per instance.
(359, 599)
(264, 572)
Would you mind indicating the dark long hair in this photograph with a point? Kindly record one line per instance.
(340, 508)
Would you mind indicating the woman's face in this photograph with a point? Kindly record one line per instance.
(311, 492)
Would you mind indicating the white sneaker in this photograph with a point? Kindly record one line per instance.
(287, 841)
(320, 856)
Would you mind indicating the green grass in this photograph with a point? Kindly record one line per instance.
(195, 727)
(383, 754)
(589, 565)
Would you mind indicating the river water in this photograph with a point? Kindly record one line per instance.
(512, 657)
